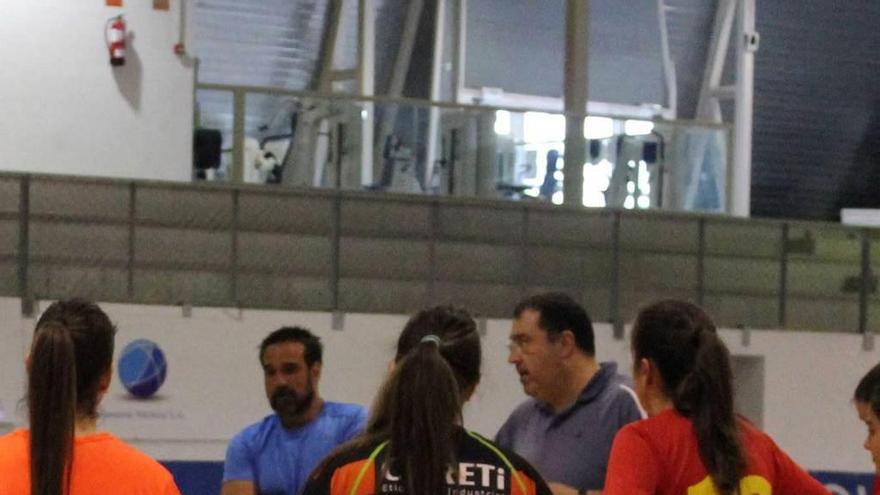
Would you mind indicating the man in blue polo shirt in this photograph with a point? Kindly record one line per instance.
(566, 429)
(276, 455)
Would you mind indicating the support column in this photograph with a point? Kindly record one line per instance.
(437, 75)
(746, 46)
(328, 47)
(459, 49)
(366, 83)
(398, 79)
(708, 107)
(576, 50)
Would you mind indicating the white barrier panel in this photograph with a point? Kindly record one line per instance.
(801, 384)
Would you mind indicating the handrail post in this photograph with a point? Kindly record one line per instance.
(783, 276)
(238, 114)
(866, 285)
(701, 262)
(432, 252)
(615, 278)
(24, 217)
(233, 254)
(335, 237)
(132, 218)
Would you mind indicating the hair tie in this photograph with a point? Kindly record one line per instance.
(431, 338)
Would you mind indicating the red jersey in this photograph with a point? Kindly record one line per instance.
(660, 456)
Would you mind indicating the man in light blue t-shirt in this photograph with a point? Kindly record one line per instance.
(276, 455)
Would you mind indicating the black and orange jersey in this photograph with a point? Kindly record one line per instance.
(483, 469)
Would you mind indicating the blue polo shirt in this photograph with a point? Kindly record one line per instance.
(279, 461)
(572, 446)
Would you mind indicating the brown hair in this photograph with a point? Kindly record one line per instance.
(417, 409)
(71, 350)
(681, 341)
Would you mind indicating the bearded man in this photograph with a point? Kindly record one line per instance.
(276, 455)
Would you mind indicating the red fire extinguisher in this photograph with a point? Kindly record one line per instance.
(114, 35)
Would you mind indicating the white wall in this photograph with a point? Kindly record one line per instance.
(66, 110)
(214, 383)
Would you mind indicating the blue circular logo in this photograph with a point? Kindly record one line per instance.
(142, 368)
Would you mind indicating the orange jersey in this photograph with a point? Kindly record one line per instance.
(659, 456)
(102, 464)
(483, 468)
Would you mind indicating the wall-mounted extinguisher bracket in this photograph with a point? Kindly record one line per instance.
(114, 36)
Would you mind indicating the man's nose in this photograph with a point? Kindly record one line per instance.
(514, 356)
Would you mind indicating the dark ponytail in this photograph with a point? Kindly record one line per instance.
(417, 409)
(72, 348)
(681, 341)
(424, 406)
(52, 407)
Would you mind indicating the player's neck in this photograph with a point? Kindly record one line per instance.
(86, 426)
(656, 403)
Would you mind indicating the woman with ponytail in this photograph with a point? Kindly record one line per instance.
(693, 443)
(69, 368)
(414, 442)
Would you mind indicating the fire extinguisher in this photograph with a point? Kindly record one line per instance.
(114, 35)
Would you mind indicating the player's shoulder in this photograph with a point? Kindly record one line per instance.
(753, 436)
(125, 457)
(503, 455)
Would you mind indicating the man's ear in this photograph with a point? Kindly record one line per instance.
(315, 370)
(567, 343)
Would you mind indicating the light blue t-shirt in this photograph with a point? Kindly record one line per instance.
(279, 461)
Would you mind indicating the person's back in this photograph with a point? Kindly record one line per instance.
(414, 442)
(660, 455)
(69, 369)
(102, 464)
(693, 442)
(483, 467)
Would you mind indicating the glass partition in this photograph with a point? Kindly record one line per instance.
(417, 147)
(213, 135)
